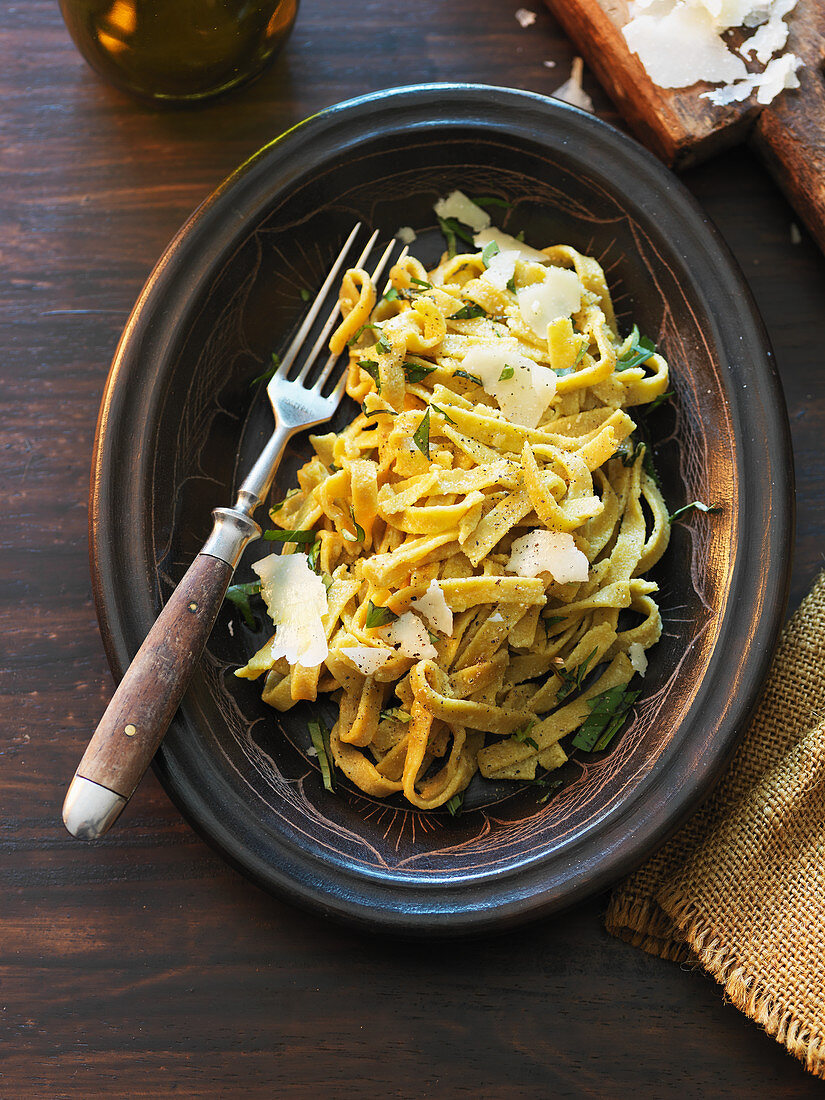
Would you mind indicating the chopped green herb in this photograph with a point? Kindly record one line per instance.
(320, 740)
(333, 469)
(313, 557)
(371, 367)
(383, 343)
(629, 451)
(452, 228)
(238, 594)
(391, 294)
(520, 236)
(468, 312)
(269, 372)
(572, 679)
(421, 435)
(300, 537)
(277, 507)
(377, 412)
(488, 252)
(420, 283)
(511, 284)
(455, 804)
(469, 377)
(359, 530)
(522, 734)
(638, 353)
(581, 354)
(657, 401)
(415, 372)
(695, 506)
(508, 372)
(395, 713)
(326, 580)
(607, 714)
(305, 294)
(446, 415)
(378, 616)
(552, 786)
(433, 637)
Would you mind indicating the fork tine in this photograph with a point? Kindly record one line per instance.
(333, 359)
(315, 351)
(308, 321)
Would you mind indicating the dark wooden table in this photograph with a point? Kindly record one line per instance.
(143, 966)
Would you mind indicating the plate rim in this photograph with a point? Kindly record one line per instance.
(137, 344)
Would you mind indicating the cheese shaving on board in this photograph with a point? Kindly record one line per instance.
(680, 42)
(480, 533)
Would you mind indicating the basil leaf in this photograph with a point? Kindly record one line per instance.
(269, 372)
(313, 557)
(300, 537)
(468, 312)
(607, 714)
(371, 367)
(508, 372)
(638, 353)
(420, 283)
(488, 252)
(238, 594)
(421, 435)
(359, 530)
(695, 506)
(415, 372)
(320, 739)
(469, 377)
(572, 679)
(446, 415)
(511, 284)
(395, 713)
(455, 804)
(378, 616)
(391, 294)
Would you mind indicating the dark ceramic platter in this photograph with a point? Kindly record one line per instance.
(179, 410)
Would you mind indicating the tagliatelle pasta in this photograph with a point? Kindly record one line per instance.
(480, 526)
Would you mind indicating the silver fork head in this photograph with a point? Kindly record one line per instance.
(294, 404)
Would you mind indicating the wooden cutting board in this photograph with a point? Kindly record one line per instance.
(682, 128)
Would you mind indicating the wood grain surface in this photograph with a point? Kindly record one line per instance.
(143, 966)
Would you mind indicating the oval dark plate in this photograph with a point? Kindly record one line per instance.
(178, 411)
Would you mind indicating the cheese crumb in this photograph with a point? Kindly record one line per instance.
(409, 636)
(433, 607)
(457, 205)
(572, 91)
(406, 234)
(553, 552)
(296, 600)
(525, 17)
(367, 659)
(638, 657)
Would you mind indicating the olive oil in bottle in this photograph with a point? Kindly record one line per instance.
(178, 50)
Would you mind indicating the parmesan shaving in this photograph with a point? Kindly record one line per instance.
(572, 91)
(525, 18)
(406, 234)
(433, 607)
(502, 268)
(524, 396)
(296, 600)
(680, 42)
(553, 552)
(409, 636)
(559, 294)
(638, 657)
(367, 659)
(458, 206)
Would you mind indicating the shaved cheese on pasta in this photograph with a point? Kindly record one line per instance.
(559, 294)
(522, 397)
(553, 552)
(457, 205)
(433, 607)
(409, 636)
(502, 267)
(638, 657)
(367, 659)
(296, 600)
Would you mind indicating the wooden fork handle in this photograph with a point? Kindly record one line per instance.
(145, 701)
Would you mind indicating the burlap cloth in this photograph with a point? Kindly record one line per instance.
(741, 888)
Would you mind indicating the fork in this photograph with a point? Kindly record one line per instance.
(147, 697)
